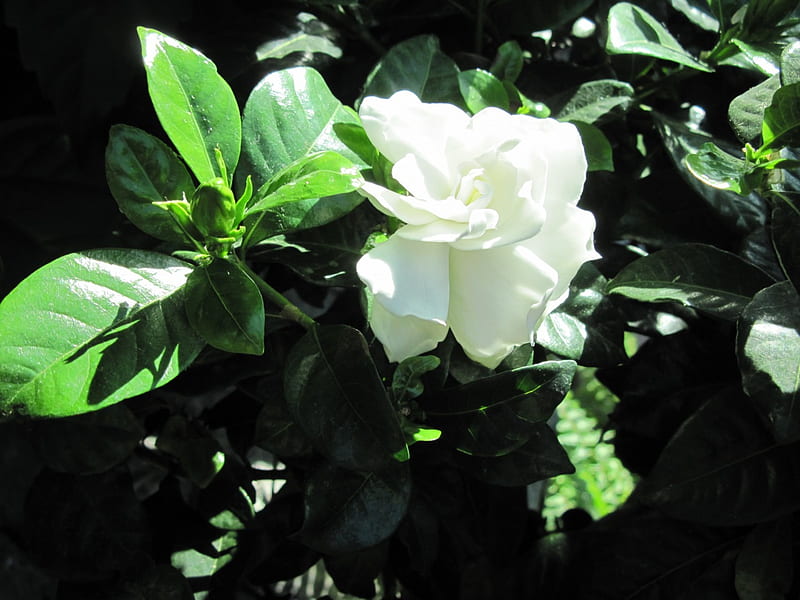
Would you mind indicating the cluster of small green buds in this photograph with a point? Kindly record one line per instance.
(213, 209)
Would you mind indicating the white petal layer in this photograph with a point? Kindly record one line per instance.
(405, 336)
(492, 292)
(408, 278)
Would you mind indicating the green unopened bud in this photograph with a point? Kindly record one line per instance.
(214, 208)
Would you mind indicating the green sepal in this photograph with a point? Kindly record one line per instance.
(213, 208)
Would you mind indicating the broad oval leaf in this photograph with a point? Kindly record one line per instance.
(746, 111)
(141, 170)
(632, 30)
(346, 511)
(417, 65)
(599, 155)
(704, 277)
(225, 307)
(481, 89)
(93, 328)
(593, 100)
(781, 126)
(195, 105)
(768, 348)
(335, 394)
(715, 167)
(723, 468)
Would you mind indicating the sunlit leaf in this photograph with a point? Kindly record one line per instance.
(593, 100)
(781, 125)
(481, 89)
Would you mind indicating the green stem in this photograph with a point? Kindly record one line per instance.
(287, 309)
(782, 196)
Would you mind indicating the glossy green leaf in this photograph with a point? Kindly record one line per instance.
(715, 167)
(333, 391)
(723, 468)
(763, 58)
(195, 105)
(508, 62)
(698, 12)
(93, 328)
(309, 178)
(784, 225)
(781, 125)
(310, 36)
(346, 511)
(599, 154)
(539, 458)
(273, 135)
(417, 65)
(90, 443)
(768, 348)
(746, 111)
(354, 136)
(225, 307)
(632, 30)
(275, 430)
(764, 15)
(593, 100)
(790, 63)
(407, 379)
(496, 415)
(703, 277)
(764, 567)
(196, 451)
(480, 89)
(586, 327)
(141, 170)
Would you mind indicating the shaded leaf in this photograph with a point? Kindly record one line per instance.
(355, 572)
(224, 306)
(21, 578)
(194, 104)
(508, 62)
(703, 277)
(632, 30)
(347, 511)
(480, 89)
(333, 391)
(784, 226)
(715, 167)
(593, 100)
(199, 454)
(140, 170)
(764, 569)
(275, 430)
(93, 328)
(418, 65)
(781, 126)
(599, 155)
(768, 348)
(723, 468)
(746, 111)
(522, 18)
(790, 63)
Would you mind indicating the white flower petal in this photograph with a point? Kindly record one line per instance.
(405, 336)
(406, 208)
(408, 277)
(491, 294)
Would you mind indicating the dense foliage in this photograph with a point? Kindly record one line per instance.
(194, 404)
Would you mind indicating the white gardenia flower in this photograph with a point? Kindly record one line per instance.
(492, 234)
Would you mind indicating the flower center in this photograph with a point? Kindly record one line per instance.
(474, 190)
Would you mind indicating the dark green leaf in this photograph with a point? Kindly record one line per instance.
(419, 66)
(715, 167)
(355, 573)
(89, 443)
(333, 391)
(781, 125)
(784, 226)
(194, 564)
(698, 12)
(768, 347)
(225, 307)
(480, 89)
(765, 15)
(495, 415)
(507, 64)
(764, 565)
(522, 17)
(591, 101)
(539, 458)
(407, 378)
(347, 511)
(93, 328)
(790, 63)
(740, 213)
(85, 526)
(586, 327)
(140, 170)
(763, 57)
(599, 155)
(703, 277)
(21, 578)
(19, 466)
(275, 429)
(198, 454)
(311, 177)
(159, 582)
(355, 137)
(195, 105)
(632, 30)
(746, 111)
(723, 468)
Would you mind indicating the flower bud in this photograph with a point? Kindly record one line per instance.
(214, 208)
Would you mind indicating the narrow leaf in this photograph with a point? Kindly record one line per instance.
(93, 328)
(768, 348)
(333, 391)
(632, 30)
(141, 170)
(195, 105)
(224, 305)
(703, 277)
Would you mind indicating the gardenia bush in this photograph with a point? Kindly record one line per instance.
(310, 316)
